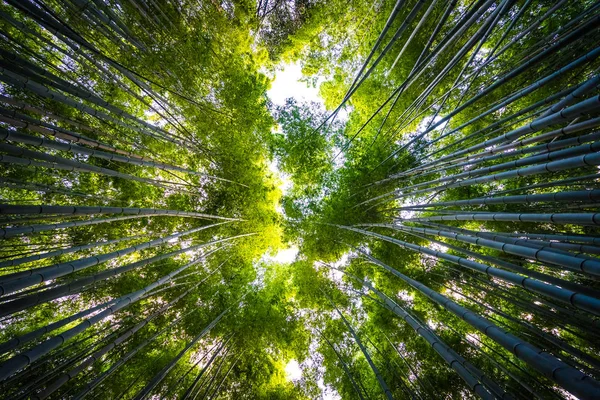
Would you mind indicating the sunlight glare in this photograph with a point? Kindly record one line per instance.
(284, 256)
(287, 84)
(293, 371)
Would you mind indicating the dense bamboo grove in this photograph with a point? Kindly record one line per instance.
(442, 200)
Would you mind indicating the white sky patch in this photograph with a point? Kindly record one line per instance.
(422, 127)
(406, 297)
(259, 281)
(284, 256)
(335, 274)
(432, 324)
(286, 182)
(527, 317)
(293, 372)
(438, 247)
(342, 261)
(328, 392)
(287, 84)
(474, 338)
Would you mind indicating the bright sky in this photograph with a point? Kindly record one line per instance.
(287, 84)
(293, 371)
(284, 256)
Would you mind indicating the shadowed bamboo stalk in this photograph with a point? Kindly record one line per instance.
(363, 349)
(62, 290)
(192, 387)
(23, 260)
(22, 360)
(568, 377)
(473, 377)
(576, 299)
(167, 368)
(67, 376)
(10, 283)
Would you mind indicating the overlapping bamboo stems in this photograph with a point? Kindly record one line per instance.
(22, 360)
(536, 358)
(589, 158)
(576, 299)
(480, 36)
(20, 280)
(556, 150)
(398, 92)
(392, 366)
(573, 357)
(428, 389)
(582, 219)
(566, 319)
(64, 289)
(57, 27)
(22, 156)
(522, 92)
(481, 67)
(36, 334)
(150, 106)
(138, 213)
(590, 105)
(497, 123)
(390, 20)
(14, 262)
(532, 111)
(83, 94)
(29, 229)
(167, 368)
(384, 386)
(215, 393)
(190, 390)
(573, 127)
(122, 360)
(21, 120)
(584, 181)
(424, 53)
(478, 10)
(48, 189)
(72, 373)
(175, 386)
(406, 44)
(486, 155)
(533, 329)
(544, 277)
(51, 144)
(18, 81)
(7, 209)
(472, 376)
(78, 349)
(542, 253)
(571, 37)
(563, 248)
(476, 52)
(509, 150)
(344, 367)
(210, 382)
(570, 113)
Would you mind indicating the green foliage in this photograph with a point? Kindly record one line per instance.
(161, 107)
